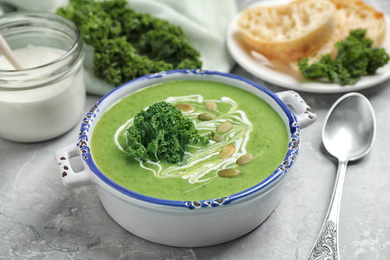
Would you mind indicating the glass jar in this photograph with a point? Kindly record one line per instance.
(47, 100)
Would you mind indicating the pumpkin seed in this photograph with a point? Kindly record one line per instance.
(211, 106)
(229, 173)
(216, 137)
(185, 107)
(224, 127)
(206, 116)
(244, 159)
(227, 151)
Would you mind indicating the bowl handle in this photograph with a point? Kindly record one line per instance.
(69, 177)
(300, 108)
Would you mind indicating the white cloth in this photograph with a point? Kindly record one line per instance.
(204, 22)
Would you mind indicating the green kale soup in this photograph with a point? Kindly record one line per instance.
(256, 129)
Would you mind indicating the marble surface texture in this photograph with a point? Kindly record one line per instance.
(42, 219)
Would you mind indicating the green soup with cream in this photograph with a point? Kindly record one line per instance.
(257, 129)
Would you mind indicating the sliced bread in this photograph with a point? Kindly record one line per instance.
(356, 14)
(290, 31)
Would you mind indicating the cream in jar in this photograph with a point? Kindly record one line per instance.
(47, 97)
(32, 56)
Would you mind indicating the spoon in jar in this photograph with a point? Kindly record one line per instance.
(348, 134)
(8, 54)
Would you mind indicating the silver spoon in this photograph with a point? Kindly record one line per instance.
(348, 134)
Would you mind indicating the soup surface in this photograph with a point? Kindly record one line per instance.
(257, 129)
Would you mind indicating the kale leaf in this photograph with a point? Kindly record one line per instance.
(128, 44)
(355, 58)
(160, 45)
(111, 54)
(161, 132)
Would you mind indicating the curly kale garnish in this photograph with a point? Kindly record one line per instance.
(161, 132)
(128, 44)
(355, 58)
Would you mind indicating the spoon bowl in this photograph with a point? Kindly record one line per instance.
(348, 134)
(349, 129)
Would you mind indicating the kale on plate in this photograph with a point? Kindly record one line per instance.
(355, 58)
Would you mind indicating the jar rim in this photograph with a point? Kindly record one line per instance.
(24, 18)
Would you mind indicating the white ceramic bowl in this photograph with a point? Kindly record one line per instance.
(187, 223)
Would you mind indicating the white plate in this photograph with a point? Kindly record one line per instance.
(253, 65)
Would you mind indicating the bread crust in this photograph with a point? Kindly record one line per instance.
(288, 32)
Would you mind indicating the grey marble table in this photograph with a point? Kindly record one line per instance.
(41, 219)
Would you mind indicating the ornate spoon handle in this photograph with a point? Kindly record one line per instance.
(326, 244)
